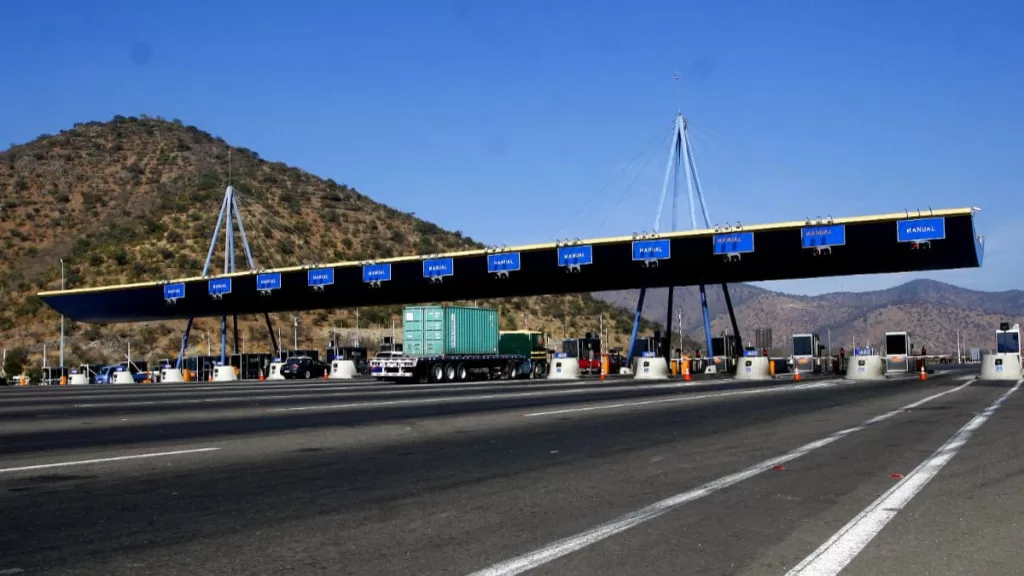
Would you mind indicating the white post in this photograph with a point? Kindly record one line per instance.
(44, 355)
(357, 326)
(295, 332)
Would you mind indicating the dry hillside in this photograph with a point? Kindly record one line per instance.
(137, 198)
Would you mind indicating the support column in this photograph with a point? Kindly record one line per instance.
(668, 326)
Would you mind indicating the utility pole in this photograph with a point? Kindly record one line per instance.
(357, 326)
(295, 332)
(62, 316)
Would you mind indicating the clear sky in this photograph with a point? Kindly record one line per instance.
(530, 120)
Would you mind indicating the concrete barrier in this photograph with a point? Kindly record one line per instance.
(171, 375)
(79, 379)
(224, 374)
(655, 368)
(564, 369)
(275, 371)
(866, 368)
(123, 377)
(343, 369)
(753, 368)
(1005, 366)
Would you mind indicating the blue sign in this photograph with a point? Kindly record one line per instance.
(821, 236)
(508, 262)
(174, 291)
(921, 229)
(863, 351)
(751, 353)
(268, 281)
(320, 277)
(652, 249)
(218, 286)
(648, 354)
(561, 355)
(376, 272)
(438, 267)
(576, 255)
(734, 243)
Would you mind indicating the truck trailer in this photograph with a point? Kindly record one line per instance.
(457, 344)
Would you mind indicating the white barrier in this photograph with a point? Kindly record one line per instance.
(867, 367)
(753, 368)
(275, 371)
(1005, 366)
(123, 377)
(564, 369)
(654, 368)
(78, 379)
(224, 374)
(343, 369)
(172, 375)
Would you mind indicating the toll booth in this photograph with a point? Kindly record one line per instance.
(806, 353)
(358, 355)
(200, 367)
(250, 365)
(586, 351)
(898, 347)
(1005, 363)
(52, 375)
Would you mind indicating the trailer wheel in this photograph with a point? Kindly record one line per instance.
(449, 372)
(461, 373)
(437, 373)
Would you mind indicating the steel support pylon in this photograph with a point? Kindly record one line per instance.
(227, 218)
(681, 156)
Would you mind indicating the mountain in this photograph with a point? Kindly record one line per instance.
(931, 311)
(137, 198)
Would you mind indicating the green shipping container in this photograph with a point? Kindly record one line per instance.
(449, 330)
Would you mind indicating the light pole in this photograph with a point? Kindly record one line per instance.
(295, 336)
(62, 315)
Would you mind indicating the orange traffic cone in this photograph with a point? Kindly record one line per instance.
(262, 378)
(325, 374)
(686, 370)
(796, 374)
(924, 375)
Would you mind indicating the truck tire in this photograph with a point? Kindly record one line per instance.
(449, 372)
(539, 370)
(437, 373)
(461, 374)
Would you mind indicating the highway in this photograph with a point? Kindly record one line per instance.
(539, 477)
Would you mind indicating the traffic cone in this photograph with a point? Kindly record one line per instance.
(686, 370)
(262, 378)
(325, 374)
(796, 373)
(924, 375)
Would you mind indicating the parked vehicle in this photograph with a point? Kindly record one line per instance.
(456, 344)
(303, 367)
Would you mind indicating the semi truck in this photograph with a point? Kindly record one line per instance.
(457, 344)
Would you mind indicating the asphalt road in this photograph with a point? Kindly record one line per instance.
(612, 477)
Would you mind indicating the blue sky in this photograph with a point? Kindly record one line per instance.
(516, 121)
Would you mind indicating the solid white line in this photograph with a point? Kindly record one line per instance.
(571, 544)
(832, 556)
(102, 460)
(724, 394)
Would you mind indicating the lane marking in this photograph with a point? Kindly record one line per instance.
(102, 460)
(579, 541)
(832, 556)
(723, 394)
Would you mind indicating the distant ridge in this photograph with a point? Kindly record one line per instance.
(929, 309)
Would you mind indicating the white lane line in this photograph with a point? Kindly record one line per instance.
(102, 460)
(832, 556)
(786, 388)
(579, 541)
